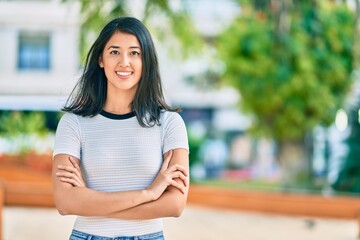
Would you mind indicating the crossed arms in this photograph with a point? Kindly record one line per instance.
(164, 197)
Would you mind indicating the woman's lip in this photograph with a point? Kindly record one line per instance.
(123, 74)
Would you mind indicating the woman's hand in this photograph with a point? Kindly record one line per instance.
(166, 177)
(71, 174)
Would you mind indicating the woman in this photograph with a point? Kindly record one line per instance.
(109, 147)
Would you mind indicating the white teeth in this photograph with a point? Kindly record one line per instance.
(124, 73)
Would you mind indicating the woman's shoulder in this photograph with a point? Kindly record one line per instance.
(69, 118)
(68, 115)
(170, 116)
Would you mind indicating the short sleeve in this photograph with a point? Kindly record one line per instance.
(67, 138)
(174, 132)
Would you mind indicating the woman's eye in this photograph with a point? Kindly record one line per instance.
(114, 52)
(135, 53)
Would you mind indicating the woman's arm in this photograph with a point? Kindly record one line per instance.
(87, 202)
(170, 204)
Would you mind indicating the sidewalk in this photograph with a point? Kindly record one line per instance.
(196, 223)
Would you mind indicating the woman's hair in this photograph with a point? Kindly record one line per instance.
(89, 95)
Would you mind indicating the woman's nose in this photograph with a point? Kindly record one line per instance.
(124, 60)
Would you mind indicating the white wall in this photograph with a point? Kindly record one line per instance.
(61, 21)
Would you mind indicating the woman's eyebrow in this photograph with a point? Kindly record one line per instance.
(117, 47)
(112, 46)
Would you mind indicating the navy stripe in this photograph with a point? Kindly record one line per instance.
(117, 116)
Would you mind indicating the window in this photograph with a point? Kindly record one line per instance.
(25, 0)
(34, 51)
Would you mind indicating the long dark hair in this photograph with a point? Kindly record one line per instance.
(89, 95)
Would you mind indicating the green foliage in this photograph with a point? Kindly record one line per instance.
(348, 179)
(20, 123)
(94, 15)
(291, 78)
(175, 23)
(195, 143)
(16, 127)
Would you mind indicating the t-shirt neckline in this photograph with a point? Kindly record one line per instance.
(117, 116)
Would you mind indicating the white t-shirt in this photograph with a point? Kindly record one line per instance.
(117, 154)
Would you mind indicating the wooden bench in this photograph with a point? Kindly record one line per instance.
(276, 202)
(24, 194)
(40, 194)
(1, 206)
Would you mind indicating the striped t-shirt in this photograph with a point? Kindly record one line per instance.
(117, 154)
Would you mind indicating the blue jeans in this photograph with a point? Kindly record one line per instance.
(76, 235)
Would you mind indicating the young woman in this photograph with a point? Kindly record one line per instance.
(121, 153)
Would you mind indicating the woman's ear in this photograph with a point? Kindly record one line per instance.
(101, 63)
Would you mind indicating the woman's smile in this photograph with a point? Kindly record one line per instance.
(123, 74)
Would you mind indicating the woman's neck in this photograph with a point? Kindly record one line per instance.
(118, 103)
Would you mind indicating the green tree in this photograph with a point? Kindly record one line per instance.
(291, 62)
(172, 25)
(16, 127)
(19, 123)
(348, 179)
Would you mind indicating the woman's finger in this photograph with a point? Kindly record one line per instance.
(68, 175)
(72, 173)
(66, 168)
(74, 163)
(71, 181)
(71, 170)
(183, 178)
(178, 167)
(71, 178)
(77, 172)
(166, 162)
(180, 175)
(178, 186)
(65, 174)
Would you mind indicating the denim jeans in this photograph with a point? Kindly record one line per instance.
(76, 235)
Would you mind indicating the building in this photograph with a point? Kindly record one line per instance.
(39, 53)
(39, 62)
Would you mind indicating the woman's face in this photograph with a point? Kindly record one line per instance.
(122, 63)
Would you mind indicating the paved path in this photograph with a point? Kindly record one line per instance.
(196, 223)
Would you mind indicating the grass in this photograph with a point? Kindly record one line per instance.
(243, 184)
(267, 186)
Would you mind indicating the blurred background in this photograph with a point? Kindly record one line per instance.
(269, 89)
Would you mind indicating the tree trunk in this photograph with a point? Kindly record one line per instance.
(295, 163)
